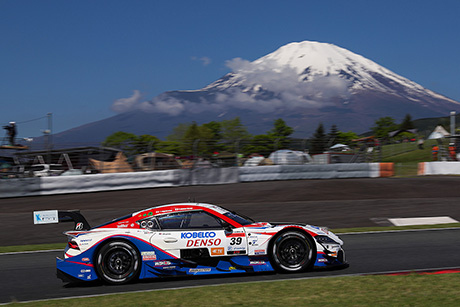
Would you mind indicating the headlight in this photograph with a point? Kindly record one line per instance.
(325, 240)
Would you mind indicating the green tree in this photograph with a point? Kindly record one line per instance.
(215, 129)
(280, 133)
(261, 144)
(318, 143)
(170, 147)
(383, 126)
(130, 143)
(145, 143)
(347, 137)
(197, 140)
(333, 136)
(233, 131)
(178, 133)
(121, 140)
(407, 123)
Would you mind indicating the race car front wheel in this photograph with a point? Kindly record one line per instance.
(117, 262)
(292, 251)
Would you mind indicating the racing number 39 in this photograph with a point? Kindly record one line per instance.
(235, 241)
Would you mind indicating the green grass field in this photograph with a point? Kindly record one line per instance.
(406, 157)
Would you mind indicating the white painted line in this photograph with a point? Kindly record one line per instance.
(393, 231)
(422, 221)
(33, 252)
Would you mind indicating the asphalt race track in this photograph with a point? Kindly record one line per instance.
(333, 203)
(32, 276)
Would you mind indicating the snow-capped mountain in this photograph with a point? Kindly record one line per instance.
(304, 83)
(310, 61)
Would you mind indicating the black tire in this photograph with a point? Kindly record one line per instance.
(292, 251)
(118, 262)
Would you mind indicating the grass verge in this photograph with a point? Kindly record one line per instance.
(406, 290)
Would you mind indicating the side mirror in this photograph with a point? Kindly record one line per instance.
(227, 226)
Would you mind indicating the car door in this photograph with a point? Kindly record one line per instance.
(198, 235)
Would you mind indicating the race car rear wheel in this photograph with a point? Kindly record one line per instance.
(292, 251)
(118, 262)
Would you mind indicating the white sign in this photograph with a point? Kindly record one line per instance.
(46, 217)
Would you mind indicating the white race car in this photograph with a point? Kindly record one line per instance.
(188, 239)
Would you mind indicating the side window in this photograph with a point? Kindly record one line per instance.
(201, 219)
(189, 220)
(174, 221)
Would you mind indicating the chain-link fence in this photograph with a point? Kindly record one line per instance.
(40, 159)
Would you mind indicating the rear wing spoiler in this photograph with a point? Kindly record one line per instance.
(57, 216)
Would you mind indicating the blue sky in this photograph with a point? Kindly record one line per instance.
(75, 58)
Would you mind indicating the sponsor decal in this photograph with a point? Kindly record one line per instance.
(85, 259)
(200, 270)
(182, 209)
(46, 217)
(236, 252)
(146, 256)
(172, 267)
(197, 234)
(79, 226)
(235, 234)
(162, 263)
(217, 251)
(85, 271)
(81, 275)
(85, 242)
(257, 263)
(232, 268)
(321, 260)
(203, 242)
(259, 252)
(253, 241)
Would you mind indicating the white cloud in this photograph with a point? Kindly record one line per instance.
(204, 60)
(127, 104)
(168, 105)
(267, 87)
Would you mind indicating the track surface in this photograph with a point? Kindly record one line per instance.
(337, 203)
(32, 276)
(333, 203)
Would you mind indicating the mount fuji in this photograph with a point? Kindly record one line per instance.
(304, 83)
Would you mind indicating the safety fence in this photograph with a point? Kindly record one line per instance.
(439, 168)
(18, 187)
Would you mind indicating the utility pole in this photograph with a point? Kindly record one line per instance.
(48, 137)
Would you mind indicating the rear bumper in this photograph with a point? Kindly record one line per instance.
(70, 270)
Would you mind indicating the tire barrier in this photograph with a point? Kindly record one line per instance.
(314, 171)
(18, 187)
(387, 169)
(439, 168)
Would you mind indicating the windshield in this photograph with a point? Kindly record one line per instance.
(243, 220)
